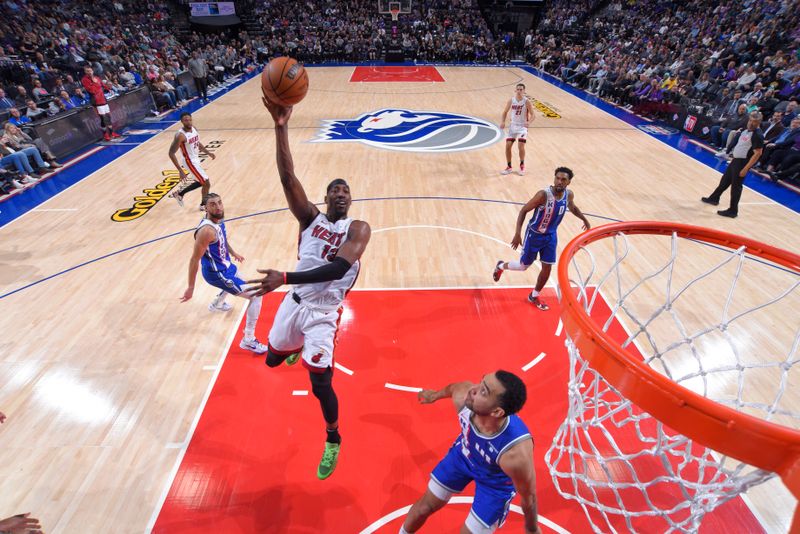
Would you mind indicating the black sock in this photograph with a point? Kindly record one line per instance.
(522, 162)
(333, 435)
(509, 164)
(191, 187)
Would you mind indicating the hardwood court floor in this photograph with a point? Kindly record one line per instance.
(102, 370)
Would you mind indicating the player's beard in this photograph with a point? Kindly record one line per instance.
(469, 402)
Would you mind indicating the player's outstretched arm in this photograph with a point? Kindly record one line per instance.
(576, 211)
(303, 210)
(457, 391)
(537, 200)
(517, 463)
(203, 238)
(357, 238)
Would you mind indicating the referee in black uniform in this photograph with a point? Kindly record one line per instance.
(746, 152)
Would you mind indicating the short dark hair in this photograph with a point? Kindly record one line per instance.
(212, 195)
(516, 393)
(185, 113)
(522, 84)
(566, 170)
(334, 183)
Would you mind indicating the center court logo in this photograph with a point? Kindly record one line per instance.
(412, 131)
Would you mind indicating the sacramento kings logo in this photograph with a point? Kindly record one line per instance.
(412, 131)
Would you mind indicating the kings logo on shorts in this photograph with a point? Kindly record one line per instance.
(412, 131)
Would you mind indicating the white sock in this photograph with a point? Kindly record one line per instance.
(517, 266)
(534, 293)
(253, 311)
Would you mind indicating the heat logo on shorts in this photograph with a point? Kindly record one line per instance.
(412, 131)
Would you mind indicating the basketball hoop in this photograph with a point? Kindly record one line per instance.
(649, 408)
(394, 10)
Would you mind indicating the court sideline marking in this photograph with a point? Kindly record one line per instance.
(458, 499)
(184, 445)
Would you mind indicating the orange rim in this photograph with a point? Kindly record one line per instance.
(747, 438)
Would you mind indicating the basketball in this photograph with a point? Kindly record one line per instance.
(284, 81)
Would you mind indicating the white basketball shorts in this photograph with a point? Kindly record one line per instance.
(517, 132)
(299, 326)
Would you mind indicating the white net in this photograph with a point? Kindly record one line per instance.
(716, 321)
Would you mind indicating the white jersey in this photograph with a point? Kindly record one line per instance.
(519, 114)
(190, 151)
(191, 148)
(318, 246)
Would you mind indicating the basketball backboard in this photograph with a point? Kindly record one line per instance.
(385, 7)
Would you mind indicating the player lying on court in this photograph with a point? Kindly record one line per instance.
(213, 251)
(541, 236)
(495, 449)
(305, 324)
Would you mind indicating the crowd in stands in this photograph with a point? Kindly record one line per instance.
(353, 30)
(46, 46)
(722, 59)
(567, 16)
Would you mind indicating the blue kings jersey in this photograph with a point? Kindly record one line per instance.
(216, 257)
(483, 452)
(546, 218)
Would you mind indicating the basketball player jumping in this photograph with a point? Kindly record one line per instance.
(188, 141)
(495, 449)
(541, 237)
(213, 251)
(306, 322)
(521, 116)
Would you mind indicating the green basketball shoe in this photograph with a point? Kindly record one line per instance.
(292, 359)
(328, 462)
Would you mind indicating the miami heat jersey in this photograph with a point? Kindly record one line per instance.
(518, 113)
(546, 218)
(318, 246)
(216, 258)
(482, 453)
(191, 148)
